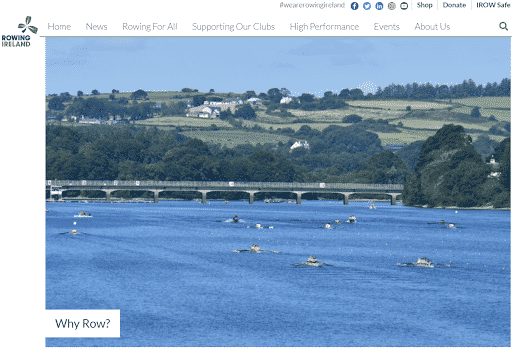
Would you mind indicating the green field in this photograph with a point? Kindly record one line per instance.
(261, 116)
(434, 124)
(337, 115)
(485, 102)
(184, 122)
(406, 137)
(398, 104)
(295, 126)
(409, 136)
(501, 115)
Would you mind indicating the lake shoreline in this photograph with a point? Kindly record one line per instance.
(459, 208)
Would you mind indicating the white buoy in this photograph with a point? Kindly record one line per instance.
(74, 223)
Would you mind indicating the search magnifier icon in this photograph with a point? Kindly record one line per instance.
(503, 25)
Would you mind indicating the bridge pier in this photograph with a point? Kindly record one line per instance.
(345, 197)
(203, 198)
(251, 196)
(156, 196)
(107, 195)
(299, 194)
(393, 197)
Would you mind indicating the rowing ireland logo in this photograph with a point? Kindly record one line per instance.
(27, 26)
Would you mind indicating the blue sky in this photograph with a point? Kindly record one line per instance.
(303, 65)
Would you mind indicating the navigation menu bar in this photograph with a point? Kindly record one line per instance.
(376, 26)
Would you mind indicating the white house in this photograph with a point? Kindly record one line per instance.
(286, 100)
(495, 167)
(90, 120)
(253, 100)
(113, 122)
(300, 144)
(209, 112)
(225, 102)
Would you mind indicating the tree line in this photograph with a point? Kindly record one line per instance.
(425, 91)
(130, 153)
(466, 89)
(101, 108)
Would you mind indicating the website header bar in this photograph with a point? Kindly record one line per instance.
(382, 26)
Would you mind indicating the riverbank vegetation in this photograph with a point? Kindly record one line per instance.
(449, 172)
(128, 153)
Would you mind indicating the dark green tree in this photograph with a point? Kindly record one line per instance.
(249, 95)
(275, 95)
(56, 103)
(66, 97)
(384, 168)
(356, 93)
(122, 101)
(306, 98)
(409, 154)
(139, 95)
(177, 109)
(502, 156)
(446, 163)
(246, 112)
(344, 94)
(61, 164)
(352, 119)
(225, 114)
(306, 131)
(285, 92)
(504, 88)
(141, 111)
(90, 107)
(198, 100)
(475, 112)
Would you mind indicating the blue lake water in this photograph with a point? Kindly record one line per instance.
(171, 271)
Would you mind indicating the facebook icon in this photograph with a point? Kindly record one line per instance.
(354, 5)
(379, 6)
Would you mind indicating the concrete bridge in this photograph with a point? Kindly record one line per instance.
(56, 187)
